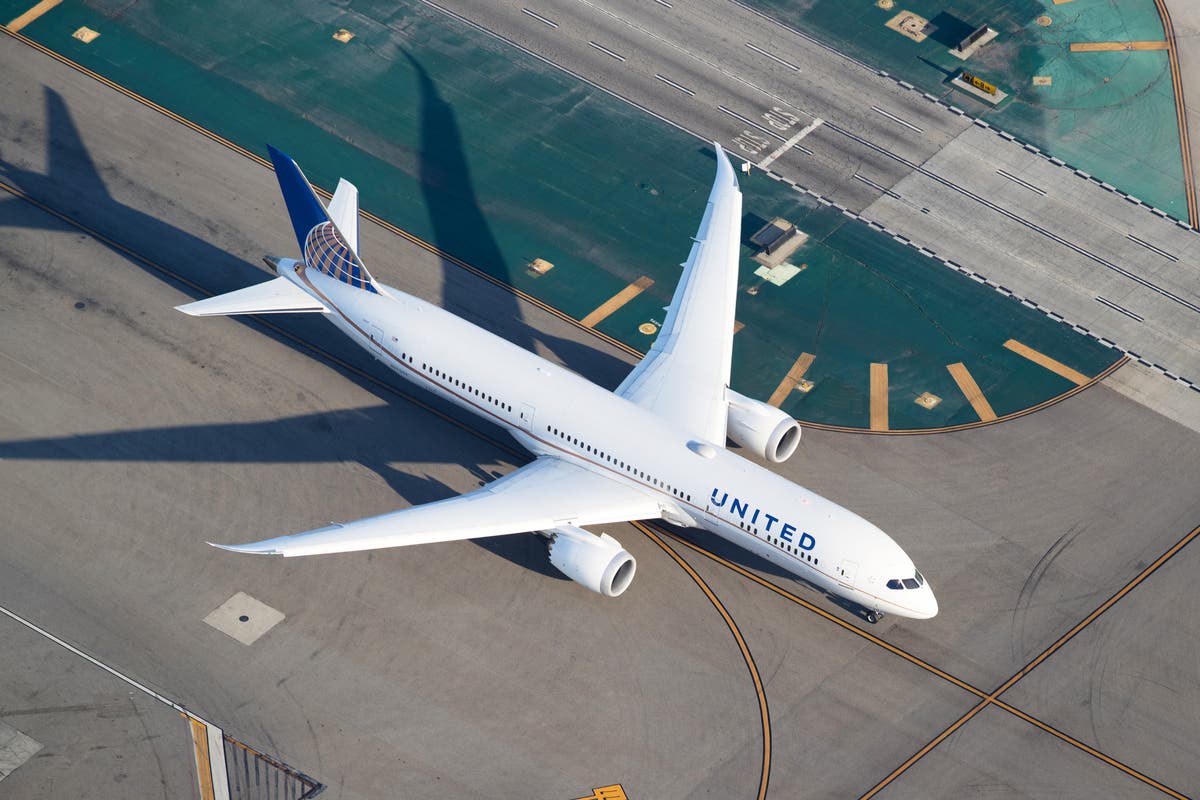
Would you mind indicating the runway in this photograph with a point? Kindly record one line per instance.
(131, 435)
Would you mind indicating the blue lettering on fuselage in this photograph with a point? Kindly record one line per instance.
(739, 508)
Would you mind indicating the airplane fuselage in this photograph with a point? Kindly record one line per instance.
(553, 411)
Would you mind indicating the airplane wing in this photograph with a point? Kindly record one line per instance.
(684, 376)
(545, 494)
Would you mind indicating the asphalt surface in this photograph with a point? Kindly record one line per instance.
(130, 435)
(896, 157)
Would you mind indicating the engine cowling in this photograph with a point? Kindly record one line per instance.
(764, 429)
(597, 562)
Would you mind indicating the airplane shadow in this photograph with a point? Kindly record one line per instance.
(460, 226)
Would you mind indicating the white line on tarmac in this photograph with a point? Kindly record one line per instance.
(792, 142)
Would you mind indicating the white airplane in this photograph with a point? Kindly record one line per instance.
(653, 449)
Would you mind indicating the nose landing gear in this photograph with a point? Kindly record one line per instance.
(874, 616)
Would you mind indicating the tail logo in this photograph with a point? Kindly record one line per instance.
(327, 252)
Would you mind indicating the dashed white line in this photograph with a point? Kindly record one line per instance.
(792, 142)
(1020, 182)
(540, 18)
(606, 51)
(675, 85)
(773, 57)
(1151, 247)
(1121, 309)
(749, 122)
(664, 3)
(894, 118)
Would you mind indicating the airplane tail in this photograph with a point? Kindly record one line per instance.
(327, 238)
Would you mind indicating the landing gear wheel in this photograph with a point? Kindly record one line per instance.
(874, 616)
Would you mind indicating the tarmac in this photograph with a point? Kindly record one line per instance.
(131, 435)
(495, 157)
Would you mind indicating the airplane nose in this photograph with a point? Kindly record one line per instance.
(927, 602)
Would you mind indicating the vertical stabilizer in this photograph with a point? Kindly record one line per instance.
(343, 211)
(327, 246)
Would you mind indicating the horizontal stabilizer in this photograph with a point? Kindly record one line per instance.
(278, 296)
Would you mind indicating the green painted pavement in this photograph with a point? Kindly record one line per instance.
(499, 159)
(1111, 114)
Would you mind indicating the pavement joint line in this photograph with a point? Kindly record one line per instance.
(992, 698)
(174, 276)
(985, 698)
(747, 656)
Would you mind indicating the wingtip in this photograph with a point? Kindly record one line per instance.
(244, 548)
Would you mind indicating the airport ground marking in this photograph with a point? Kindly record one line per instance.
(605, 309)
(970, 389)
(349, 368)
(32, 14)
(747, 656)
(1189, 180)
(484, 276)
(1104, 47)
(791, 380)
(614, 792)
(1043, 360)
(879, 397)
(993, 697)
(985, 698)
(258, 319)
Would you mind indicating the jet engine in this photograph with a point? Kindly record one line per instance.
(764, 429)
(597, 562)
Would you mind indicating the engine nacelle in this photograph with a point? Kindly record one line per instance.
(597, 562)
(764, 429)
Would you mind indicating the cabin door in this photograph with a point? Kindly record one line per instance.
(527, 417)
(847, 572)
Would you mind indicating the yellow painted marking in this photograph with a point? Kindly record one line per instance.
(968, 386)
(747, 656)
(616, 301)
(793, 378)
(879, 397)
(32, 14)
(1100, 47)
(1057, 367)
(614, 792)
(203, 765)
(1060, 2)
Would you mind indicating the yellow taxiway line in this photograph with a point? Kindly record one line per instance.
(794, 376)
(969, 388)
(1101, 47)
(32, 14)
(879, 397)
(1043, 360)
(616, 301)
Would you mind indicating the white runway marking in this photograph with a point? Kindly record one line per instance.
(792, 142)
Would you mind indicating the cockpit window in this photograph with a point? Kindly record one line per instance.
(907, 583)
